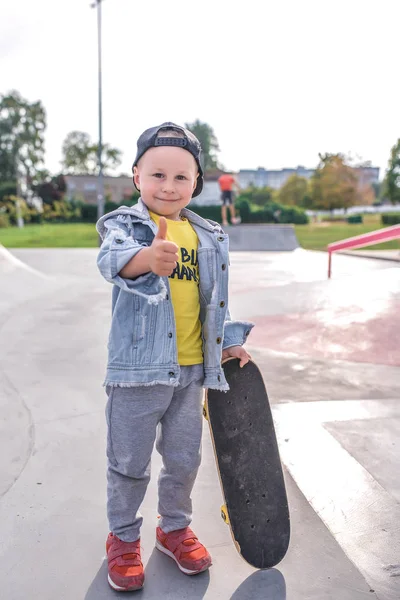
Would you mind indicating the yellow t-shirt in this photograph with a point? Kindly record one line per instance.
(184, 286)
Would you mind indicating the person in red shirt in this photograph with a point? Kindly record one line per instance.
(226, 184)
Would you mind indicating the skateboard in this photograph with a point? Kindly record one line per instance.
(249, 466)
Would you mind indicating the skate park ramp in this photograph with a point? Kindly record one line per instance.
(19, 282)
(20, 286)
(275, 238)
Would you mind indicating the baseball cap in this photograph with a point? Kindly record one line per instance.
(151, 138)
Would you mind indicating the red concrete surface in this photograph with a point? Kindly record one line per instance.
(347, 333)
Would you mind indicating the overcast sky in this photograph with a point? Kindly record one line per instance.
(279, 81)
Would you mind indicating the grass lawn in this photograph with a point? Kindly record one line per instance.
(65, 235)
(317, 236)
(84, 235)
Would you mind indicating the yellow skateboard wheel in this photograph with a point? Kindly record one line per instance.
(205, 412)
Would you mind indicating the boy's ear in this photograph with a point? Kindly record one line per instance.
(136, 177)
(195, 181)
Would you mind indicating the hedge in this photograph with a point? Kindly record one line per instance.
(353, 219)
(89, 213)
(272, 213)
(4, 220)
(391, 219)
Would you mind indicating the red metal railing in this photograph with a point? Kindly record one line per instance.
(366, 239)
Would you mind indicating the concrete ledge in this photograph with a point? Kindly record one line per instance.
(272, 238)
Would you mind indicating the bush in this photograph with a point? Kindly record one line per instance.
(244, 209)
(8, 188)
(391, 219)
(35, 217)
(257, 196)
(61, 211)
(263, 215)
(272, 213)
(110, 206)
(89, 213)
(207, 212)
(8, 206)
(293, 214)
(4, 220)
(353, 219)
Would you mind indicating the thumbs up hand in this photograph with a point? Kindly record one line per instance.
(163, 254)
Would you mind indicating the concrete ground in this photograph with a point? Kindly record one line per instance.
(330, 355)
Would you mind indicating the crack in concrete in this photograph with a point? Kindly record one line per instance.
(31, 433)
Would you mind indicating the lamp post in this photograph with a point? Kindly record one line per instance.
(20, 220)
(100, 181)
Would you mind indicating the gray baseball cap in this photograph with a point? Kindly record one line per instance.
(151, 138)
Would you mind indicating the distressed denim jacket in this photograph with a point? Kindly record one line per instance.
(142, 343)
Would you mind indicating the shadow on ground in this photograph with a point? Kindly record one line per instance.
(269, 584)
(164, 580)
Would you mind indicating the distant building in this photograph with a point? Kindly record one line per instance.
(367, 175)
(84, 187)
(276, 179)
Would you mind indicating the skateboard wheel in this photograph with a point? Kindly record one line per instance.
(224, 514)
(205, 413)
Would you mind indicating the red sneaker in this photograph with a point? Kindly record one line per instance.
(183, 546)
(125, 569)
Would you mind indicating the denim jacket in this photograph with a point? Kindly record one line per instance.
(142, 343)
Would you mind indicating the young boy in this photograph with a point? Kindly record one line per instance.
(170, 329)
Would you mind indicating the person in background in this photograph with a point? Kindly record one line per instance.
(226, 184)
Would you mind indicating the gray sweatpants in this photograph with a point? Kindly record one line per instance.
(135, 416)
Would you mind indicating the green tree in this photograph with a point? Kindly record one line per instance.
(334, 184)
(80, 155)
(392, 178)
(209, 143)
(258, 196)
(22, 127)
(293, 192)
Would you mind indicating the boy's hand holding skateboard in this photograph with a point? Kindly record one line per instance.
(237, 352)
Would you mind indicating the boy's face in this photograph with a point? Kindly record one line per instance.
(166, 177)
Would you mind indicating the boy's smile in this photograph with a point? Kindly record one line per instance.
(166, 177)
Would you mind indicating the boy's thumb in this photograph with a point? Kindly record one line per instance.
(162, 229)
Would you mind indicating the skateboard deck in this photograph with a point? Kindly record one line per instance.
(249, 466)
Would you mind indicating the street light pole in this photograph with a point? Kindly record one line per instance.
(100, 181)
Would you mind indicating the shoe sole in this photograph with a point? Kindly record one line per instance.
(121, 589)
(162, 548)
